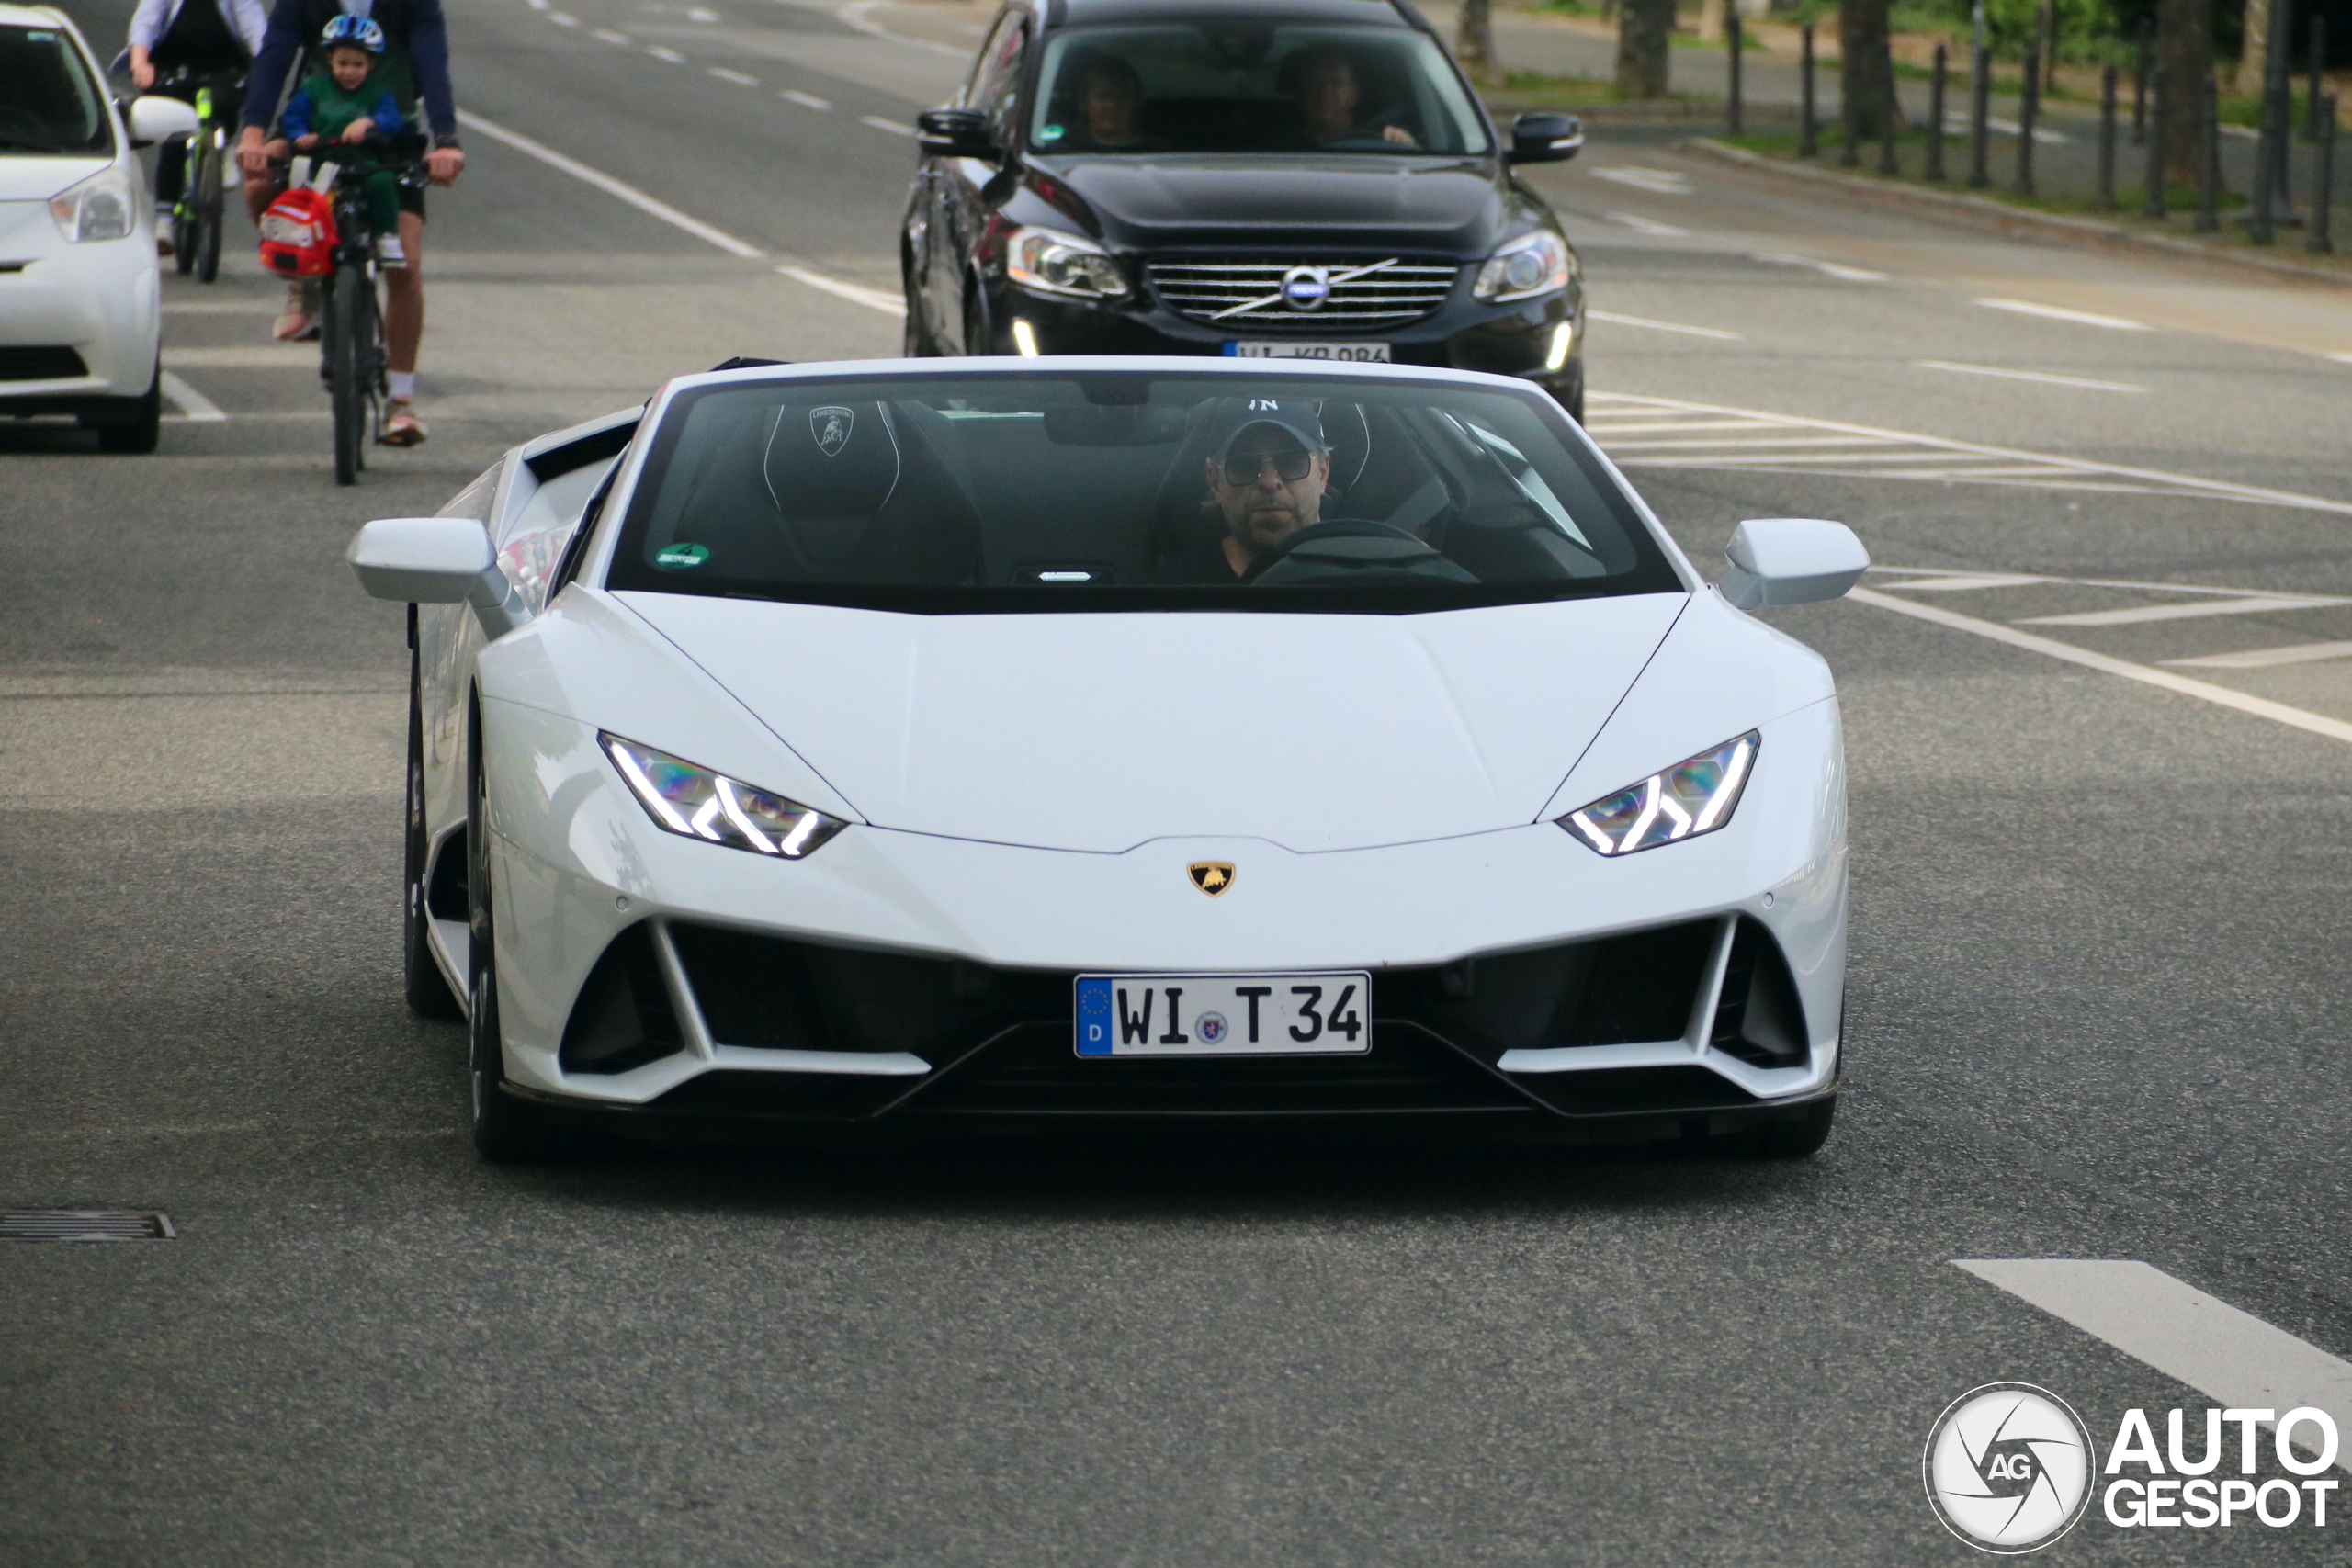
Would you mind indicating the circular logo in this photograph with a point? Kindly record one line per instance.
(1210, 1026)
(1306, 288)
(681, 558)
(2008, 1468)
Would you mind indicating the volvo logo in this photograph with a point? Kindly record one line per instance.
(1307, 288)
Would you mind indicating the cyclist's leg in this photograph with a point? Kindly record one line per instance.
(405, 324)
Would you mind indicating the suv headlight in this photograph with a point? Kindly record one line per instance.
(1681, 802)
(1051, 263)
(1530, 265)
(699, 804)
(100, 208)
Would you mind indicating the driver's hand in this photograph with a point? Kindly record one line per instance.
(143, 75)
(252, 158)
(443, 164)
(1398, 134)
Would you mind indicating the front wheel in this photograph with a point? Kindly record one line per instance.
(349, 344)
(207, 203)
(143, 428)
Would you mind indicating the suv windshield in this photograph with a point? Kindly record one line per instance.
(1096, 490)
(1250, 86)
(48, 103)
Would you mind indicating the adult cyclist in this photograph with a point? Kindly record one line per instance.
(185, 45)
(416, 38)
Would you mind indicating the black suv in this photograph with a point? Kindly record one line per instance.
(1245, 177)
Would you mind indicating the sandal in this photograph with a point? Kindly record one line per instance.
(401, 428)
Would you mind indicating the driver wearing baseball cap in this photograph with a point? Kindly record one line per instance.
(1267, 471)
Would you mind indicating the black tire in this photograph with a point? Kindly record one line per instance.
(182, 239)
(208, 203)
(506, 1131)
(139, 433)
(345, 332)
(427, 989)
(1793, 1135)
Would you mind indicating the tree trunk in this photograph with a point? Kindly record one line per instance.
(2253, 54)
(1643, 30)
(1474, 37)
(1866, 70)
(1711, 20)
(2185, 55)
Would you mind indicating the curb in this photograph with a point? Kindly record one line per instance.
(2016, 220)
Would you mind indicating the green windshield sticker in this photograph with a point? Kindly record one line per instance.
(679, 557)
(1050, 133)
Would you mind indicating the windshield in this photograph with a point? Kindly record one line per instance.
(1108, 490)
(48, 103)
(1250, 86)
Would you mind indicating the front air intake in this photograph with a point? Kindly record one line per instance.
(1758, 1017)
(623, 1018)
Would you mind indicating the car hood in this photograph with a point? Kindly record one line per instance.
(37, 179)
(1100, 732)
(1453, 204)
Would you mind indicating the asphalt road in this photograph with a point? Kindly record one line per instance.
(2097, 998)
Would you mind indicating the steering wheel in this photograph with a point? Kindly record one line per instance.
(1351, 547)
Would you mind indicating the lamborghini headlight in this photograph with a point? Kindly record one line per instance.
(1681, 802)
(100, 208)
(699, 804)
(1531, 264)
(1049, 262)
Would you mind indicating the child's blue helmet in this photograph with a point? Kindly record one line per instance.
(353, 32)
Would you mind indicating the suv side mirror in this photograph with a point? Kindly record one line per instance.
(1542, 137)
(154, 119)
(1791, 560)
(954, 133)
(437, 560)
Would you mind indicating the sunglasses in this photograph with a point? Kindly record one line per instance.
(1243, 468)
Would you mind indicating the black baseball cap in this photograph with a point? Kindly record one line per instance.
(1235, 416)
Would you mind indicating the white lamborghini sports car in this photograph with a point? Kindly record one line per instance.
(867, 749)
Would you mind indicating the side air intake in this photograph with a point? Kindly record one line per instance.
(1758, 1018)
(623, 1018)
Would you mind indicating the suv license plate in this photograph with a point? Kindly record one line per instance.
(1317, 1014)
(1283, 348)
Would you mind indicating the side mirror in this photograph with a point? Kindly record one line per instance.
(437, 560)
(1791, 560)
(155, 120)
(954, 133)
(1541, 137)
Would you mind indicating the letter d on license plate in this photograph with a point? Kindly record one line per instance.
(1319, 1014)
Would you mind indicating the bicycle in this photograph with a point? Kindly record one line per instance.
(195, 217)
(351, 360)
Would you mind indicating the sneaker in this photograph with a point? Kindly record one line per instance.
(389, 252)
(401, 428)
(298, 321)
(164, 242)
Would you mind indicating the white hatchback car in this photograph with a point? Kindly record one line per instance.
(81, 307)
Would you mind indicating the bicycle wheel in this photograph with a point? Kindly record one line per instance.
(373, 360)
(206, 187)
(184, 209)
(344, 332)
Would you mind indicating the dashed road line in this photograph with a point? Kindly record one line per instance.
(607, 34)
(2045, 377)
(741, 80)
(1831, 269)
(854, 15)
(894, 126)
(2266, 658)
(1640, 224)
(194, 406)
(609, 186)
(855, 293)
(1657, 182)
(2249, 605)
(563, 18)
(2228, 1356)
(805, 100)
(1891, 454)
(1615, 319)
(671, 55)
(2059, 314)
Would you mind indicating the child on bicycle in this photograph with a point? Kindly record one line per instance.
(340, 106)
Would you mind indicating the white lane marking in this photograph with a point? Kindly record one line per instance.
(2031, 469)
(538, 5)
(1957, 120)
(609, 186)
(892, 126)
(1967, 584)
(1716, 443)
(1833, 269)
(854, 15)
(805, 100)
(607, 35)
(1661, 326)
(2263, 658)
(2221, 697)
(1634, 220)
(724, 75)
(671, 55)
(1658, 182)
(701, 14)
(2058, 313)
(219, 308)
(2231, 1357)
(563, 18)
(193, 405)
(245, 357)
(2045, 377)
(2249, 605)
(855, 293)
(2342, 358)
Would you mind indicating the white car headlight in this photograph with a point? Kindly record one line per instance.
(699, 804)
(1530, 265)
(100, 208)
(1063, 265)
(1692, 797)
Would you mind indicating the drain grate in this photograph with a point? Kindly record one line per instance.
(84, 1224)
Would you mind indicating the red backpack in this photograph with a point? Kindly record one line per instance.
(297, 234)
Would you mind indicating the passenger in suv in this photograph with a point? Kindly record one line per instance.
(1284, 178)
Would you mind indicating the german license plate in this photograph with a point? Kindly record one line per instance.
(1323, 1013)
(1283, 348)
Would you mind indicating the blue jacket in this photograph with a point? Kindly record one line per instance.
(298, 110)
(417, 36)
